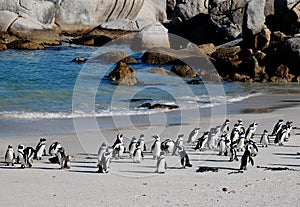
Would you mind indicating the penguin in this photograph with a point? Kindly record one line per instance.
(178, 143)
(213, 137)
(225, 127)
(264, 140)
(168, 146)
(247, 156)
(138, 154)
(132, 146)
(241, 143)
(21, 155)
(118, 147)
(29, 153)
(161, 164)
(10, 156)
(251, 131)
(240, 126)
(193, 135)
(40, 149)
(222, 144)
(104, 162)
(53, 148)
(277, 127)
(233, 144)
(101, 150)
(62, 158)
(141, 142)
(281, 135)
(156, 147)
(202, 142)
(184, 158)
(288, 130)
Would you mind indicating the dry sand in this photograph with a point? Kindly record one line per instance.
(131, 184)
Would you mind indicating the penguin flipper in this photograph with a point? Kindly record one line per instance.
(166, 165)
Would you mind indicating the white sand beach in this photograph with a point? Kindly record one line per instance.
(132, 184)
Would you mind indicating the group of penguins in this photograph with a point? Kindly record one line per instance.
(219, 138)
(25, 156)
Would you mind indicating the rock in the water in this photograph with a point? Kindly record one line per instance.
(123, 74)
(160, 70)
(155, 35)
(158, 58)
(241, 78)
(25, 45)
(79, 59)
(3, 46)
(113, 57)
(184, 71)
(158, 106)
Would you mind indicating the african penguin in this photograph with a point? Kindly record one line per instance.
(241, 143)
(53, 148)
(138, 154)
(161, 164)
(178, 143)
(104, 162)
(118, 147)
(156, 147)
(264, 140)
(225, 127)
(202, 142)
(193, 135)
(10, 156)
(40, 149)
(168, 146)
(21, 156)
(63, 159)
(101, 150)
(141, 142)
(250, 150)
(29, 155)
(132, 146)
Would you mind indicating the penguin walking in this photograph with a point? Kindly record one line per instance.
(184, 158)
(277, 127)
(118, 147)
(213, 137)
(222, 144)
(241, 143)
(225, 127)
(193, 135)
(141, 142)
(54, 148)
(104, 162)
(288, 130)
(168, 146)
(132, 146)
(264, 140)
(178, 143)
(138, 154)
(156, 147)
(101, 150)
(248, 154)
(251, 131)
(281, 135)
(29, 155)
(40, 149)
(202, 142)
(63, 159)
(10, 156)
(240, 126)
(161, 165)
(233, 144)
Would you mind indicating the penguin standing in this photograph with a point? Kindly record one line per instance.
(104, 162)
(21, 156)
(248, 154)
(277, 127)
(184, 158)
(241, 143)
(288, 130)
(213, 137)
(156, 147)
(251, 131)
(63, 159)
(222, 144)
(193, 135)
(281, 135)
(118, 147)
(240, 126)
(202, 142)
(54, 148)
(141, 142)
(40, 149)
(168, 146)
(101, 150)
(10, 156)
(132, 146)
(161, 165)
(29, 155)
(233, 144)
(178, 143)
(264, 140)
(138, 154)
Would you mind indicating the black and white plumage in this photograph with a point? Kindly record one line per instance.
(281, 135)
(241, 143)
(289, 128)
(233, 144)
(184, 158)
(118, 147)
(264, 140)
(193, 135)
(104, 162)
(63, 159)
(202, 142)
(277, 127)
(250, 151)
(10, 156)
(54, 148)
(29, 155)
(213, 136)
(132, 146)
(138, 154)
(101, 150)
(141, 142)
(178, 143)
(251, 131)
(161, 164)
(21, 156)
(40, 149)
(167, 146)
(156, 147)
(240, 126)
(225, 127)
(224, 144)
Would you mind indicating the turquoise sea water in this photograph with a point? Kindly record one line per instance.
(46, 84)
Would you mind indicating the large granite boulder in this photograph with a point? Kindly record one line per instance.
(123, 74)
(159, 58)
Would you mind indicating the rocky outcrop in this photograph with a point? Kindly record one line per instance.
(79, 60)
(184, 71)
(282, 75)
(158, 58)
(123, 74)
(113, 57)
(159, 106)
(25, 45)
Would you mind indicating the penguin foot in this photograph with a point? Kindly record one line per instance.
(189, 165)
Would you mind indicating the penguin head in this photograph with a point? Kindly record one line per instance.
(197, 129)
(20, 147)
(42, 139)
(120, 137)
(142, 136)
(227, 121)
(265, 131)
(156, 137)
(103, 144)
(9, 147)
(180, 136)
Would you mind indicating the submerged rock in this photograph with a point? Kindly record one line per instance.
(158, 106)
